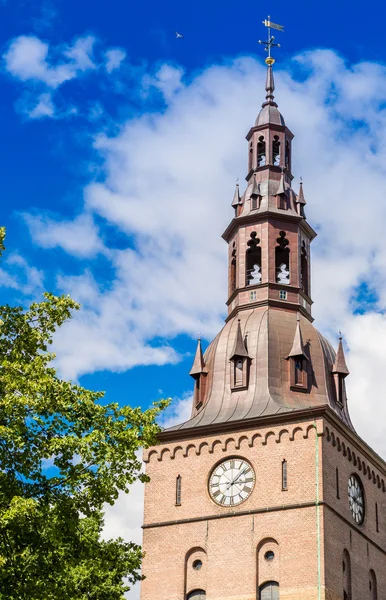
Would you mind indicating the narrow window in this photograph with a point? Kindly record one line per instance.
(304, 270)
(346, 575)
(337, 482)
(282, 295)
(233, 269)
(261, 156)
(282, 261)
(373, 589)
(276, 150)
(254, 203)
(376, 517)
(287, 155)
(284, 483)
(250, 158)
(253, 261)
(178, 490)
(299, 369)
(239, 374)
(253, 295)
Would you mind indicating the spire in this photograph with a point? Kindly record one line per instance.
(340, 361)
(239, 348)
(198, 363)
(297, 345)
(269, 87)
(281, 189)
(300, 199)
(236, 198)
(255, 188)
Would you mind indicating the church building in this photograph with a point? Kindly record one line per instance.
(266, 492)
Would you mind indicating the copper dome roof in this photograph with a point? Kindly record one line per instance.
(269, 336)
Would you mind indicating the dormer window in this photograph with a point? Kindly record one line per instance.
(298, 373)
(240, 362)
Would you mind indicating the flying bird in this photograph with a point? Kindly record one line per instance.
(178, 35)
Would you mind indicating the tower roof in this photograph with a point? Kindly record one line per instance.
(340, 361)
(269, 113)
(236, 198)
(198, 366)
(272, 336)
(239, 348)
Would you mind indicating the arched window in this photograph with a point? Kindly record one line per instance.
(196, 595)
(269, 591)
(178, 490)
(284, 479)
(282, 261)
(261, 154)
(287, 155)
(233, 269)
(346, 568)
(253, 261)
(276, 150)
(373, 590)
(250, 157)
(304, 270)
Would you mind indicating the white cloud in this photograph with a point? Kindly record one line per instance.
(27, 59)
(167, 80)
(18, 274)
(78, 237)
(114, 58)
(44, 108)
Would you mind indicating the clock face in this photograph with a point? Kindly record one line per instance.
(356, 499)
(231, 482)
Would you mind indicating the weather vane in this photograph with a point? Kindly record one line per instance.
(270, 42)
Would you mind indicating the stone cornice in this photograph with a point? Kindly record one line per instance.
(258, 217)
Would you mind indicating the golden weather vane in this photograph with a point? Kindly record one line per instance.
(270, 42)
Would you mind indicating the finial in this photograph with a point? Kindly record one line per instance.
(340, 336)
(269, 44)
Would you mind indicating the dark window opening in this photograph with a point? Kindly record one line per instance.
(282, 260)
(376, 517)
(250, 157)
(233, 270)
(276, 150)
(347, 576)
(253, 261)
(373, 587)
(178, 490)
(304, 271)
(239, 372)
(261, 154)
(337, 483)
(287, 155)
(284, 482)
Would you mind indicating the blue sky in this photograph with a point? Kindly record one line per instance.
(90, 90)
(120, 147)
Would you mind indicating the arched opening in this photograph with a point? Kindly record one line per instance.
(250, 157)
(287, 156)
(253, 261)
(233, 269)
(282, 260)
(196, 595)
(276, 150)
(261, 153)
(284, 478)
(269, 591)
(373, 590)
(304, 270)
(346, 568)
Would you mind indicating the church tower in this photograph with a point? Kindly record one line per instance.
(266, 492)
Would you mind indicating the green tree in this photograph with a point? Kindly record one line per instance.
(63, 454)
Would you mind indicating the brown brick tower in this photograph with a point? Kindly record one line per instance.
(267, 492)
